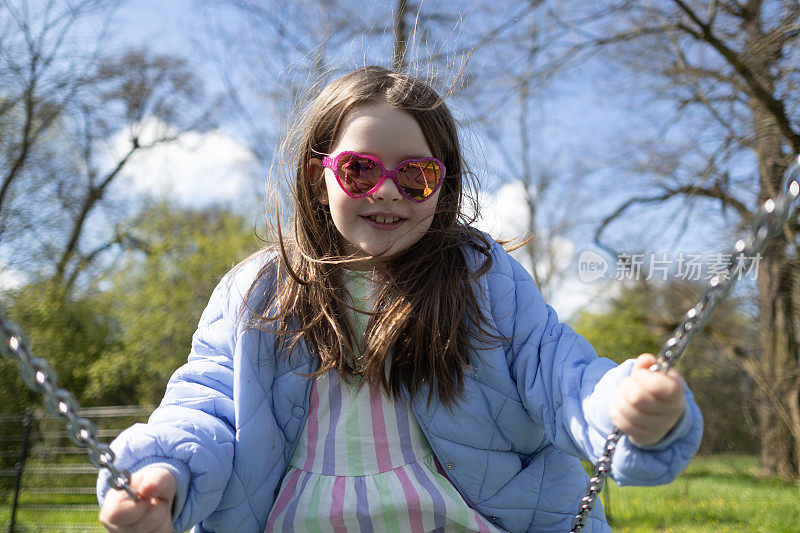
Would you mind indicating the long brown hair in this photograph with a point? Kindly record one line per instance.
(427, 318)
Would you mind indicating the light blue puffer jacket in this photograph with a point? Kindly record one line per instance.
(231, 417)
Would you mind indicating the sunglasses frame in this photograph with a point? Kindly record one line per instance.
(332, 163)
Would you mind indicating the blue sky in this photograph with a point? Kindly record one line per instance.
(580, 123)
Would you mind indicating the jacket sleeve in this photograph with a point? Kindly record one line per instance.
(191, 433)
(568, 389)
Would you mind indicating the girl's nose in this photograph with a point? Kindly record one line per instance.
(387, 191)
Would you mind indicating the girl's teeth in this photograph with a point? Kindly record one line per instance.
(384, 220)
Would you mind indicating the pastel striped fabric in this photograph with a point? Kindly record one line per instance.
(364, 464)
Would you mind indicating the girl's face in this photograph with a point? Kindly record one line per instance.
(385, 222)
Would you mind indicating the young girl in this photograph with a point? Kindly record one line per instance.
(389, 368)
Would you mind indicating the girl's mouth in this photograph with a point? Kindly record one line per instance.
(383, 222)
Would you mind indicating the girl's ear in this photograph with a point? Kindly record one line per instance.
(314, 170)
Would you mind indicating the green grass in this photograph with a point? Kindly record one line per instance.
(716, 493)
(52, 513)
(50, 521)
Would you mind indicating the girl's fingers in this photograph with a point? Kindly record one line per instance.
(636, 416)
(641, 407)
(645, 360)
(663, 386)
(158, 518)
(637, 404)
(152, 512)
(632, 394)
(648, 404)
(638, 434)
(157, 482)
(643, 429)
(119, 510)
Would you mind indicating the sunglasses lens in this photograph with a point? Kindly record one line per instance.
(419, 179)
(357, 174)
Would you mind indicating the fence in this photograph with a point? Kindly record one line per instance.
(51, 486)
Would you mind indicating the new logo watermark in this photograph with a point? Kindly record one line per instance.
(591, 266)
(683, 266)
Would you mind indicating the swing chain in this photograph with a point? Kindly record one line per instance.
(767, 222)
(40, 377)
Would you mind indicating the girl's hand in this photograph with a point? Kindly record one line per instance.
(151, 514)
(648, 404)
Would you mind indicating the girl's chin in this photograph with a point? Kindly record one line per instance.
(374, 252)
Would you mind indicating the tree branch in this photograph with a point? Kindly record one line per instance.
(92, 197)
(689, 190)
(774, 106)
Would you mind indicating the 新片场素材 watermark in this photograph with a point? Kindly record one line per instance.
(662, 266)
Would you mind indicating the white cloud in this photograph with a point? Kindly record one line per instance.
(504, 215)
(197, 169)
(574, 295)
(10, 278)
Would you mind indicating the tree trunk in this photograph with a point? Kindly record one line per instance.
(778, 456)
(777, 335)
(400, 36)
(777, 338)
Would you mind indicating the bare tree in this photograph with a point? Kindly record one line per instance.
(400, 35)
(40, 74)
(729, 72)
(127, 92)
(510, 91)
(59, 107)
(269, 65)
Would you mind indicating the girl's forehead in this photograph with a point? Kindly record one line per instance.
(372, 114)
(380, 127)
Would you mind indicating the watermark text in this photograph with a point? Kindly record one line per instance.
(662, 266)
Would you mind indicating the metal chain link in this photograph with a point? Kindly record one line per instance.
(768, 221)
(40, 377)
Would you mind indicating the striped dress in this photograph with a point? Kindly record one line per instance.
(364, 464)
